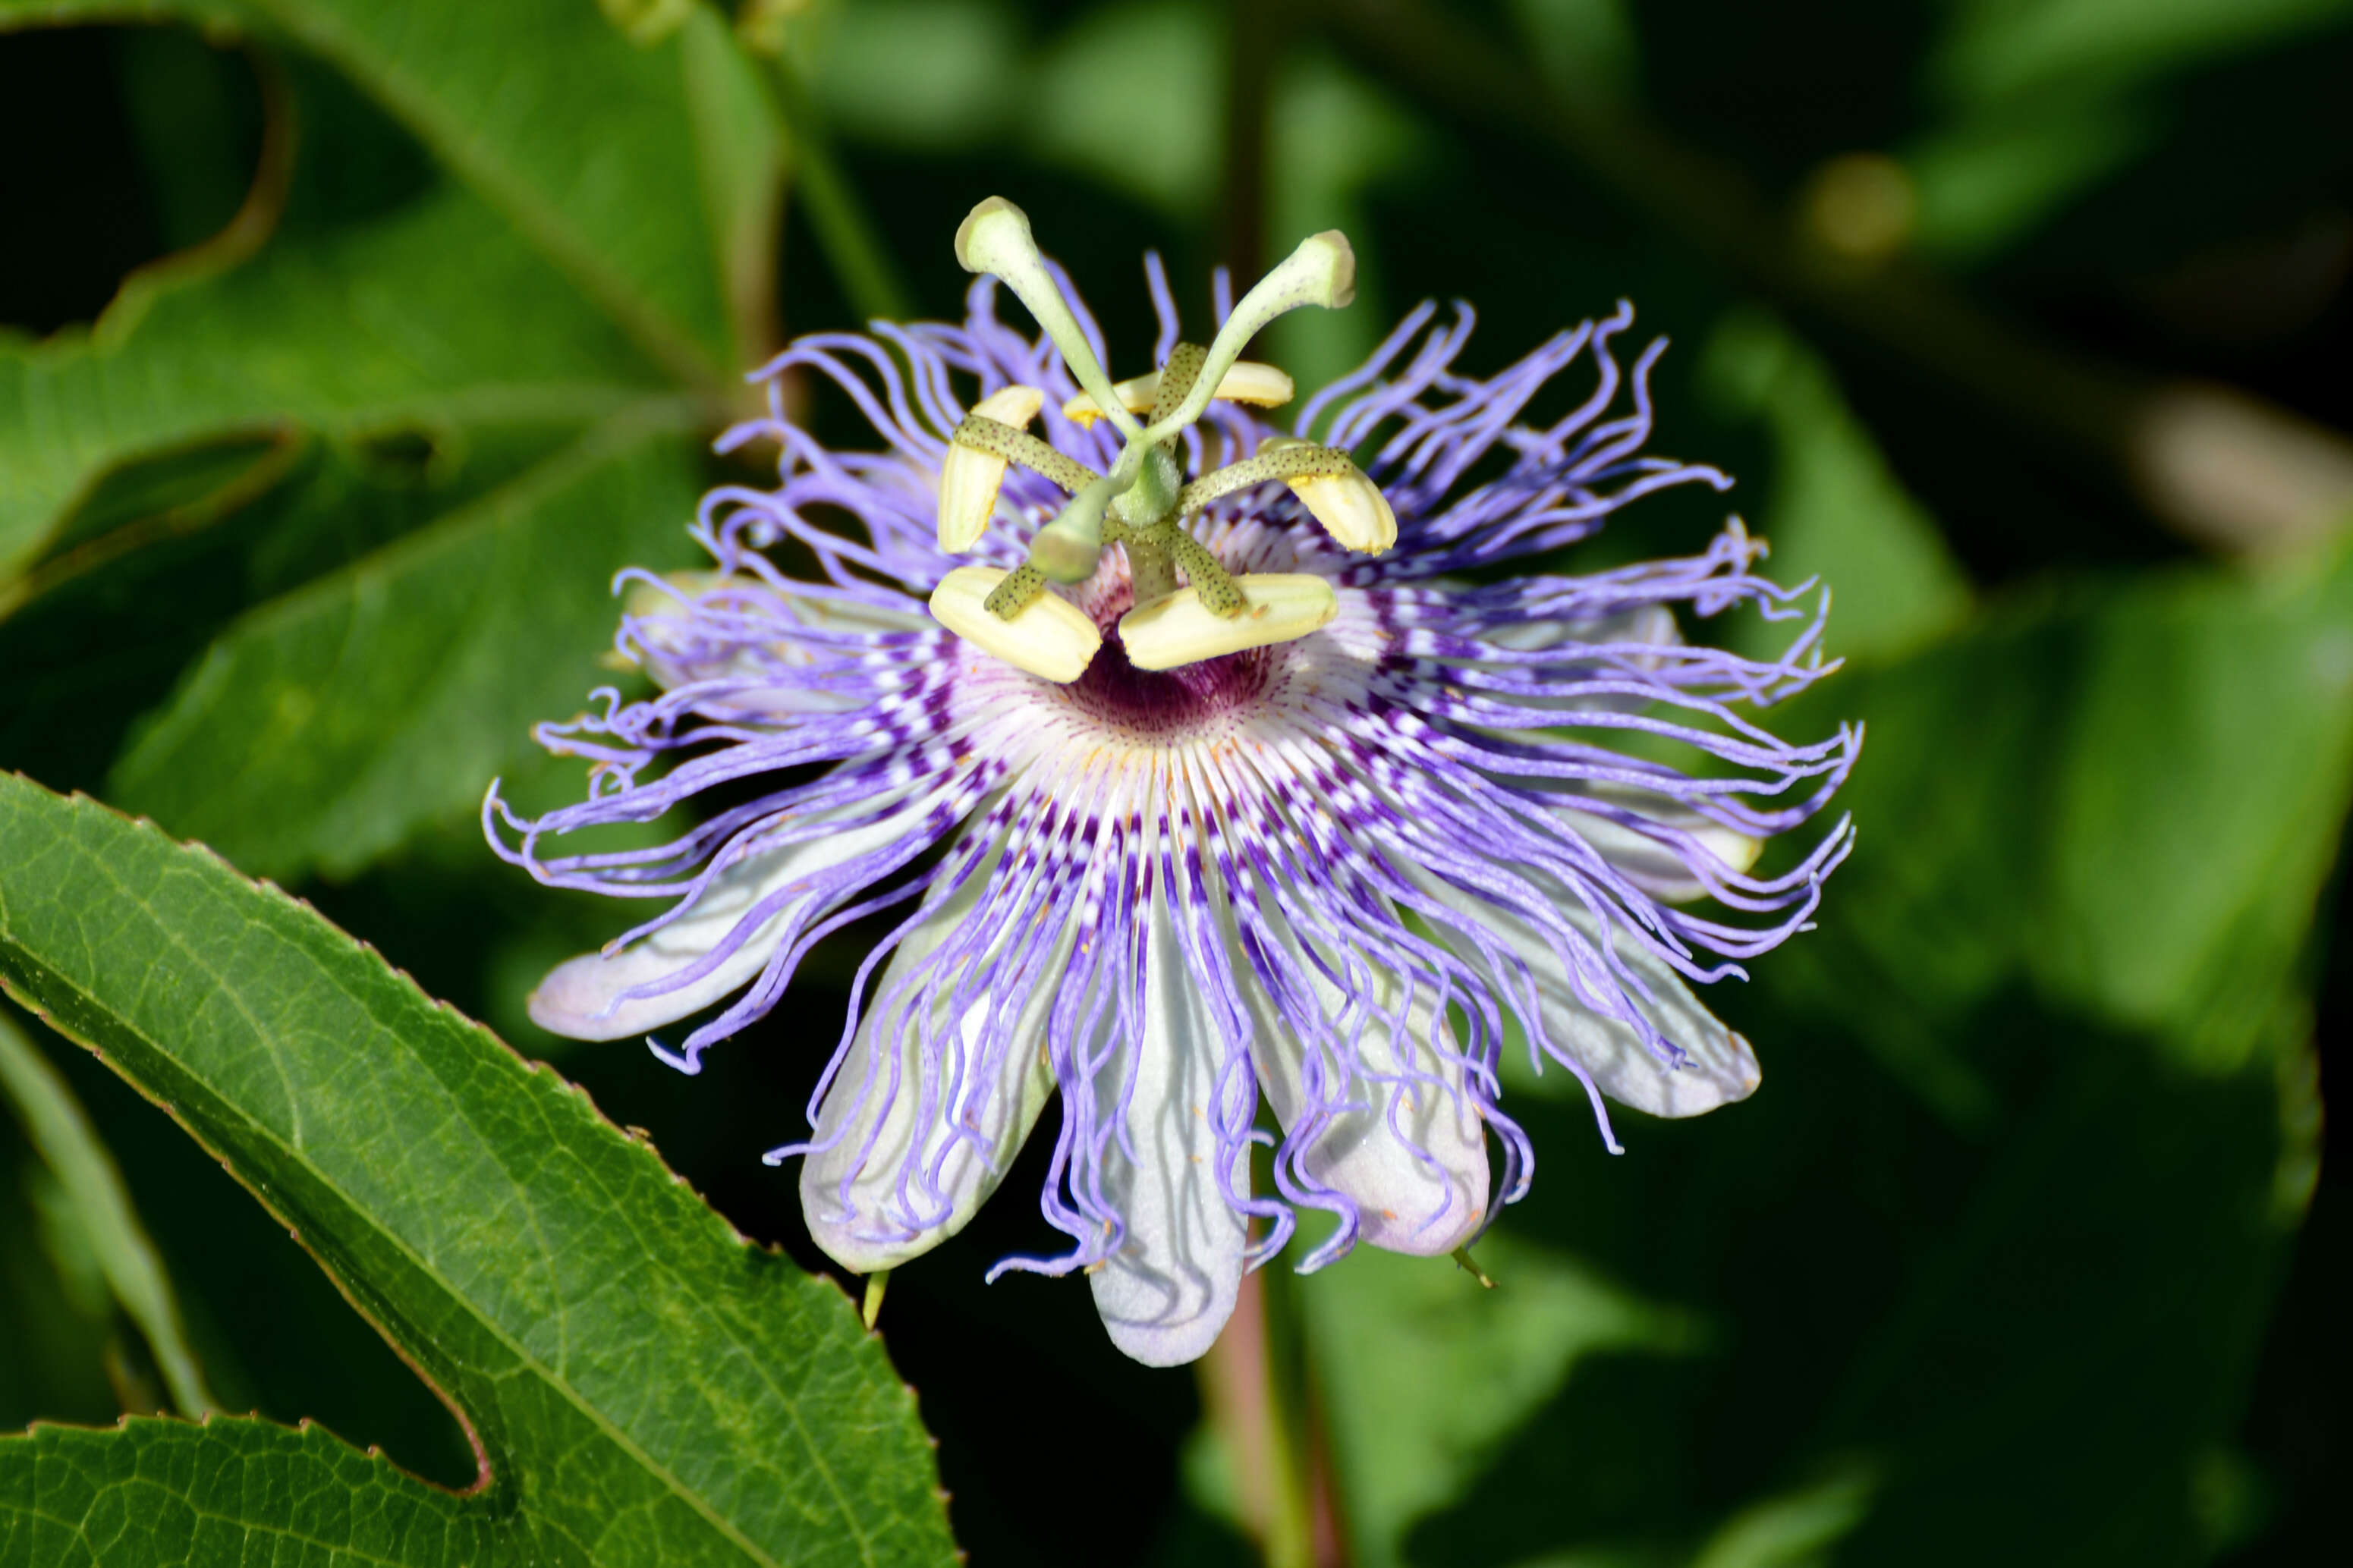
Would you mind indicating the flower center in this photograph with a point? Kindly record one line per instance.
(1186, 608)
(1162, 704)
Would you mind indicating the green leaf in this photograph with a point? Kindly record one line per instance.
(645, 1387)
(1833, 508)
(2129, 801)
(2011, 48)
(229, 1492)
(581, 141)
(506, 96)
(102, 1211)
(2040, 1110)
(433, 319)
(326, 726)
(2046, 98)
(1492, 1359)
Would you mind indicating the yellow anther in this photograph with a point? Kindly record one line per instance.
(1050, 637)
(969, 480)
(1260, 386)
(1180, 629)
(1351, 508)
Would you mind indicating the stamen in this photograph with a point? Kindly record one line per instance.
(1050, 637)
(1338, 495)
(982, 434)
(973, 469)
(1180, 629)
(1260, 386)
(994, 238)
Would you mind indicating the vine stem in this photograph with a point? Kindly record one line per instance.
(1258, 1384)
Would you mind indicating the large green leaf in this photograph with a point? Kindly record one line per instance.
(325, 725)
(645, 1387)
(506, 96)
(436, 317)
(2128, 801)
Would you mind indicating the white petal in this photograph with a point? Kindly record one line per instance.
(969, 480)
(581, 998)
(869, 1235)
(1720, 1068)
(1051, 638)
(1654, 867)
(1179, 629)
(1262, 385)
(1170, 1287)
(1413, 1156)
(1352, 510)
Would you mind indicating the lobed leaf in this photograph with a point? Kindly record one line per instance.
(643, 1385)
(434, 318)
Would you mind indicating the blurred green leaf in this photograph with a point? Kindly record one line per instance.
(644, 1385)
(935, 75)
(1833, 511)
(2130, 800)
(325, 726)
(1998, 48)
(101, 1212)
(740, 155)
(1582, 45)
(1333, 140)
(1994, 177)
(2039, 1116)
(1129, 95)
(434, 319)
(2045, 98)
(55, 1364)
(1408, 1432)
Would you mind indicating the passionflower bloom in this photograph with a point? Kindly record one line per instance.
(1207, 782)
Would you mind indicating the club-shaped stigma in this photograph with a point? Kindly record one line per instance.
(1321, 271)
(994, 238)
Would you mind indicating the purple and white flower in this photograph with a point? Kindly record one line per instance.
(1297, 843)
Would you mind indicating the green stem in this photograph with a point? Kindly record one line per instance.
(1290, 1453)
(854, 249)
